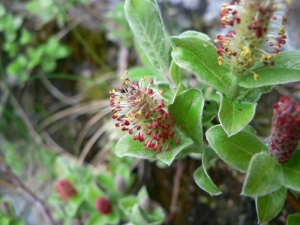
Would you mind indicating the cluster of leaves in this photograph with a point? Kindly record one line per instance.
(233, 105)
(91, 183)
(50, 9)
(22, 54)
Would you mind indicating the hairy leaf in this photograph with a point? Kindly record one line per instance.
(285, 70)
(198, 55)
(264, 175)
(236, 150)
(268, 206)
(145, 21)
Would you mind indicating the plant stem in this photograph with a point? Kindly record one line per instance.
(176, 187)
(234, 88)
(293, 201)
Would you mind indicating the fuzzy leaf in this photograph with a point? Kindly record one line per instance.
(285, 70)
(168, 157)
(127, 203)
(174, 72)
(147, 26)
(234, 116)
(201, 176)
(268, 206)
(187, 112)
(291, 172)
(193, 33)
(126, 146)
(264, 175)
(200, 57)
(293, 219)
(129, 147)
(236, 150)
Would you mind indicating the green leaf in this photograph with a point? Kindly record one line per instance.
(74, 204)
(250, 95)
(92, 193)
(234, 116)
(201, 176)
(168, 157)
(268, 206)
(187, 112)
(25, 37)
(129, 147)
(291, 172)
(210, 111)
(236, 150)
(293, 219)
(146, 23)
(181, 88)
(2, 10)
(193, 33)
(200, 57)
(127, 203)
(174, 72)
(126, 146)
(17, 68)
(11, 48)
(114, 216)
(285, 70)
(48, 65)
(97, 219)
(264, 175)
(136, 73)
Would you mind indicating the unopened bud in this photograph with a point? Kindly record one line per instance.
(65, 189)
(120, 184)
(103, 206)
(285, 129)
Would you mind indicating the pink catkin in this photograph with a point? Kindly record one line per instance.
(285, 132)
(103, 205)
(65, 189)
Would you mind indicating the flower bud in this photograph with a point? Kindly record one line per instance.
(120, 184)
(146, 204)
(285, 133)
(103, 206)
(65, 189)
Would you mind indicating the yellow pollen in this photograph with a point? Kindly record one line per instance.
(144, 78)
(162, 91)
(282, 30)
(224, 18)
(126, 72)
(255, 76)
(216, 40)
(119, 100)
(122, 78)
(138, 100)
(220, 63)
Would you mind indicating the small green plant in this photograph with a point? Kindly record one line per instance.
(22, 54)
(7, 214)
(246, 63)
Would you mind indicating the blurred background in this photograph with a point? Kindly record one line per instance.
(58, 61)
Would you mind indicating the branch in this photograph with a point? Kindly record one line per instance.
(27, 193)
(293, 201)
(176, 187)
